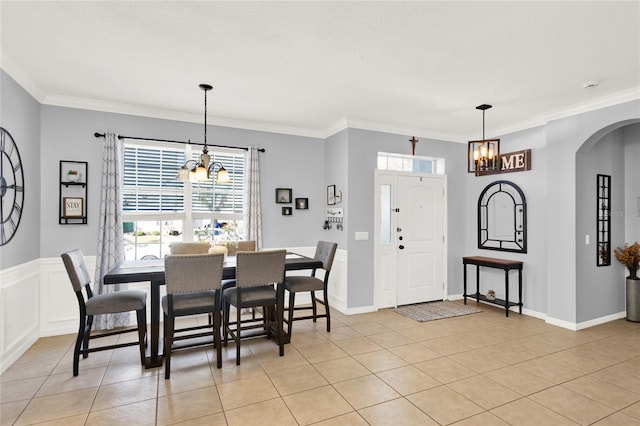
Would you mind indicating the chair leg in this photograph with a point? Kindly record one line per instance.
(292, 302)
(169, 328)
(142, 332)
(225, 325)
(237, 339)
(87, 333)
(78, 345)
(216, 337)
(328, 311)
(279, 317)
(314, 306)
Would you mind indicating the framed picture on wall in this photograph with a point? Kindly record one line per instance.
(331, 195)
(302, 203)
(287, 211)
(72, 207)
(283, 195)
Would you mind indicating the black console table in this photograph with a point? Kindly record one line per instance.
(490, 262)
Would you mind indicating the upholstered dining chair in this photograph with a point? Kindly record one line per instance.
(325, 252)
(256, 274)
(193, 283)
(235, 246)
(189, 248)
(110, 303)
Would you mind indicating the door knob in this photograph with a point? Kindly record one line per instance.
(401, 247)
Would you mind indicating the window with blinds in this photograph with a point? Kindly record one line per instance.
(150, 183)
(160, 209)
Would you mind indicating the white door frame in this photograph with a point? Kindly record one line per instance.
(376, 233)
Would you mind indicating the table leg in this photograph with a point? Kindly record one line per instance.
(464, 282)
(520, 290)
(506, 291)
(281, 336)
(154, 360)
(477, 283)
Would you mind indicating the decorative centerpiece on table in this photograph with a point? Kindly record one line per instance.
(629, 256)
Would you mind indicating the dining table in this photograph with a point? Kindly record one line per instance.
(152, 271)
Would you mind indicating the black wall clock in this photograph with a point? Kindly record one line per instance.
(11, 187)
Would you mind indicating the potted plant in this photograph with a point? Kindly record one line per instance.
(73, 175)
(629, 256)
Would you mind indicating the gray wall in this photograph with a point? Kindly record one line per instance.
(632, 183)
(20, 116)
(598, 289)
(533, 184)
(289, 161)
(363, 148)
(336, 173)
(564, 138)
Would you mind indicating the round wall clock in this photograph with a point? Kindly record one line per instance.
(11, 187)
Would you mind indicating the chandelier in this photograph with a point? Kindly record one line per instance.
(200, 171)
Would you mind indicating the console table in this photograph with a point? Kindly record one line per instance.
(491, 262)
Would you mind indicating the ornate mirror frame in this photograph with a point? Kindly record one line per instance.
(502, 218)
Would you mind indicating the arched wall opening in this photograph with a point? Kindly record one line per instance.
(613, 151)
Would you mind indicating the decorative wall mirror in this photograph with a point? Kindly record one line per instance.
(603, 211)
(502, 218)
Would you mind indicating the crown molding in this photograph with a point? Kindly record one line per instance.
(24, 80)
(579, 108)
(15, 71)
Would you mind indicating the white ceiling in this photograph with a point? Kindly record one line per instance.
(311, 68)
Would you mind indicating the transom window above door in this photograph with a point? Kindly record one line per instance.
(410, 163)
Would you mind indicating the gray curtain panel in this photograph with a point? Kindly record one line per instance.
(252, 209)
(110, 237)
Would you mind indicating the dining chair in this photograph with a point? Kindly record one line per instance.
(256, 275)
(108, 303)
(235, 246)
(193, 284)
(325, 252)
(189, 248)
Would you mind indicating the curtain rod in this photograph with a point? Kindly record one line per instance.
(102, 135)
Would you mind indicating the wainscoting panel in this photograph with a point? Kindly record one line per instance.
(20, 301)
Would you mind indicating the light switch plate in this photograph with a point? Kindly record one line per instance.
(362, 235)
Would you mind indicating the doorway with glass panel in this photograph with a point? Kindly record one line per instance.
(410, 238)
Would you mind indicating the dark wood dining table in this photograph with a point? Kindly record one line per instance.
(152, 271)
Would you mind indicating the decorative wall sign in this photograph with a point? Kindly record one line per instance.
(11, 187)
(73, 207)
(517, 161)
(331, 195)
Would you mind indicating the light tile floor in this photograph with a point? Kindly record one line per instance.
(377, 368)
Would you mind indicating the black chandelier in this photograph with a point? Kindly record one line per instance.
(200, 171)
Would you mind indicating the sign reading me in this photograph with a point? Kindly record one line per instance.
(517, 161)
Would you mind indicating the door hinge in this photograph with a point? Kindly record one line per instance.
(443, 238)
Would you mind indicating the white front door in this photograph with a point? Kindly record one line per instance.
(410, 239)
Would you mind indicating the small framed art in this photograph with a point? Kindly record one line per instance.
(287, 211)
(302, 203)
(331, 195)
(73, 207)
(283, 195)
